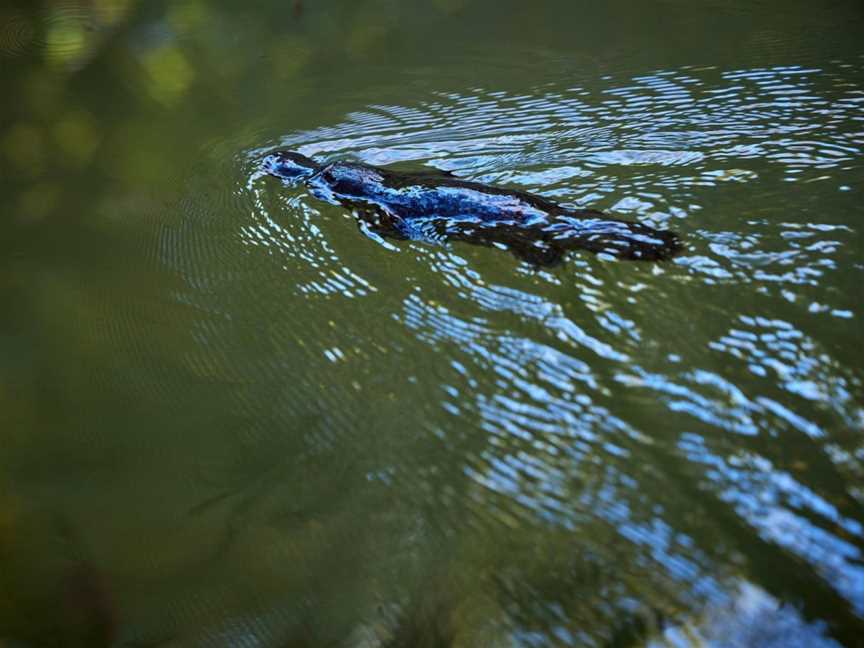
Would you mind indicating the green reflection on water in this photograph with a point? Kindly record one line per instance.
(227, 417)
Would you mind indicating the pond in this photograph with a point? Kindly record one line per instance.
(227, 418)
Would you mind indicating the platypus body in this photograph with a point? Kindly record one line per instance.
(437, 206)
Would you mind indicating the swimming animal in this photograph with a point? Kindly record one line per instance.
(437, 206)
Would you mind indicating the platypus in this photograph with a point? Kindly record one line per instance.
(437, 206)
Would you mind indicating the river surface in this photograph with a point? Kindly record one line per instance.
(227, 418)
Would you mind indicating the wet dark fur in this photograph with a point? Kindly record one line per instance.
(437, 206)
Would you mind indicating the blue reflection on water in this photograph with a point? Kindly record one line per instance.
(778, 507)
(607, 397)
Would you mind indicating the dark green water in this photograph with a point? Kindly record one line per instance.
(229, 419)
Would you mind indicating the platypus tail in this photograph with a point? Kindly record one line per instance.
(617, 238)
(292, 167)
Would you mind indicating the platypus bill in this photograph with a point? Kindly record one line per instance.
(437, 206)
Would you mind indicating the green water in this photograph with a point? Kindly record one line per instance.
(227, 418)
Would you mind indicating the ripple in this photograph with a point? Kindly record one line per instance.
(17, 33)
(598, 398)
(788, 513)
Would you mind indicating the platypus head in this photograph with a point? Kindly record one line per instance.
(292, 167)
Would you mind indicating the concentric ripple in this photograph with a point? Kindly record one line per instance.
(229, 417)
(17, 33)
(585, 397)
(315, 437)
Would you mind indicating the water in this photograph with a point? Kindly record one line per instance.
(230, 419)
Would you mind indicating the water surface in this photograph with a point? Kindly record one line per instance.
(230, 419)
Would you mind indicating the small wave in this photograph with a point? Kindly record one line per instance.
(17, 34)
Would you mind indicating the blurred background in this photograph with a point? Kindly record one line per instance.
(229, 419)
